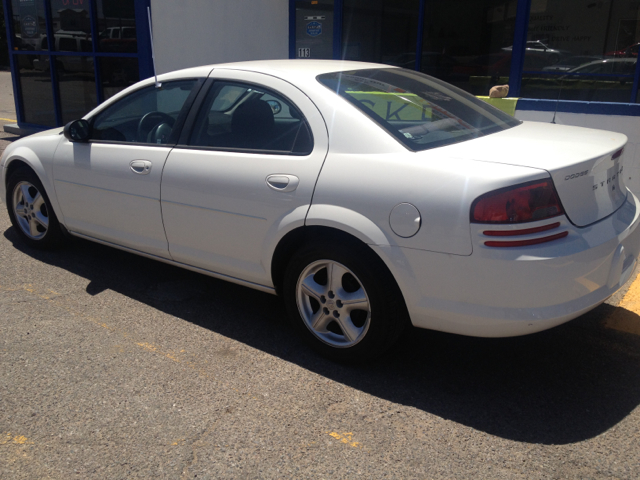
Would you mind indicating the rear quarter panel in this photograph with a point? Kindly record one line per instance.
(442, 188)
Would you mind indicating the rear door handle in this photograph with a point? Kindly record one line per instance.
(141, 167)
(283, 183)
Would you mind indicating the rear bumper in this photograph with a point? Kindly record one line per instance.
(502, 292)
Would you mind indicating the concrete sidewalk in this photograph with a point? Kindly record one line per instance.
(7, 102)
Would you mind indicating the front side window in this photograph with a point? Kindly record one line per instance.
(239, 116)
(146, 116)
(420, 111)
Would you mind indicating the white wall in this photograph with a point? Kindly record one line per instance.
(630, 126)
(188, 33)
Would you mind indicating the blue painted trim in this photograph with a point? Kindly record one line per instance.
(17, 97)
(338, 12)
(94, 40)
(636, 81)
(57, 105)
(571, 106)
(421, 16)
(34, 126)
(292, 28)
(145, 62)
(519, 47)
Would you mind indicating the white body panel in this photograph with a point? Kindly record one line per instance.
(517, 291)
(576, 158)
(218, 210)
(102, 197)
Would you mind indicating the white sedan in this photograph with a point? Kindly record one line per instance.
(370, 197)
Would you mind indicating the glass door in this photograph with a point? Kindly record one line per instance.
(314, 29)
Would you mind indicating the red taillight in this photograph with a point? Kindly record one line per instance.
(527, 202)
(526, 243)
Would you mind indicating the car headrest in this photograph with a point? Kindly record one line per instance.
(252, 118)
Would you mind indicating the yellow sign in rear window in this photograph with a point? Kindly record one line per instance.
(394, 106)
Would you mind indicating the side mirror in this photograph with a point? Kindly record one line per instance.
(77, 131)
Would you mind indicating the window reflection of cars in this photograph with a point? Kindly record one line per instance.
(499, 64)
(436, 64)
(118, 39)
(571, 62)
(543, 49)
(608, 80)
(65, 42)
(630, 51)
(622, 70)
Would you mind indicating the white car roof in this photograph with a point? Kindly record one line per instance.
(290, 69)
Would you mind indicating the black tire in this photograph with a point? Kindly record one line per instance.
(362, 275)
(30, 211)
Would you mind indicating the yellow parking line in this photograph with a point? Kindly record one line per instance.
(8, 119)
(626, 317)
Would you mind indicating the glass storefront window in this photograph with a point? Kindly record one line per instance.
(470, 48)
(29, 25)
(314, 29)
(71, 22)
(590, 50)
(36, 92)
(117, 26)
(382, 31)
(77, 85)
(117, 74)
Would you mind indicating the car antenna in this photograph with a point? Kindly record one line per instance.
(153, 57)
(557, 101)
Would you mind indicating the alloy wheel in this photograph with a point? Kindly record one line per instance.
(30, 210)
(333, 303)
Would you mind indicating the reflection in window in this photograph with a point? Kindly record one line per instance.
(383, 31)
(236, 116)
(36, 92)
(419, 111)
(77, 84)
(29, 27)
(71, 26)
(471, 48)
(117, 26)
(592, 50)
(117, 74)
(145, 116)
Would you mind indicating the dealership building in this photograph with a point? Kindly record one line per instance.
(566, 61)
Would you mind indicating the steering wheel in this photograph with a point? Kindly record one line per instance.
(151, 120)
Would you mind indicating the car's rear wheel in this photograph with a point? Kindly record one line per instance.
(30, 211)
(343, 301)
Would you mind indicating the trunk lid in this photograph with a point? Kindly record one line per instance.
(585, 164)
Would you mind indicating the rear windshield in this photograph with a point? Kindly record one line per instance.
(420, 111)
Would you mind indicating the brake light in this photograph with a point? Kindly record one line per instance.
(527, 202)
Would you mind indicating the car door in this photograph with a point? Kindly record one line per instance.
(109, 187)
(243, 176)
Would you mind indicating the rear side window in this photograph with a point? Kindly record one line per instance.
(420, 111)
(238, 116)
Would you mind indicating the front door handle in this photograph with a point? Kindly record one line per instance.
(283, 183)
(141, 167)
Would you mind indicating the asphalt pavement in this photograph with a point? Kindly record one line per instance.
(116, 366)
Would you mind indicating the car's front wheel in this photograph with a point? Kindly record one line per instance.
(343, 301)
(30, 211)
